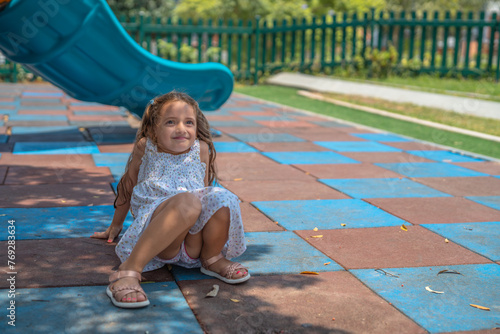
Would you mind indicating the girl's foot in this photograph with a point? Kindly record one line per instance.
(125, 290)
(225, 270)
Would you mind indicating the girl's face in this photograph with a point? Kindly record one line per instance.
(176, 130)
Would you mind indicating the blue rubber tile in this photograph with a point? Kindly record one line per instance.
(113, 137)
(429, 169)
(289, 158)
(218, 113)
(44, 107)
(38, 118)
(266, 137)
(4, 139)
(47, 311)
(233, 147)
(99, 113)
(219, 124)
(63, 129)
(110, 159)
(326, 214)
(447, 312)
(2, 123)
(482, 238)
(8, 111)
(35, 94)
(185, 274)
(379, 137)
(60, 222)
(55, 148)
(444, 156)
(114, 185)
(356, 146)
(491, 201)
(117, 171)
(382, 188)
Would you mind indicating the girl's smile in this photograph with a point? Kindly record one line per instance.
(176, 129)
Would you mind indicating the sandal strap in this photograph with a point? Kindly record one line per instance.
(122, 291)
(207, 263)
(231, 269)
(124, 273)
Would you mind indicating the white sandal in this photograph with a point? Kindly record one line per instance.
(117, 294)
(227, 273)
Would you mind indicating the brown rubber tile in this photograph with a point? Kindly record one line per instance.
(384, 157)
(278, 190)
(488, 167)
(36, 123)
(243, 129)
(288, 147)
(43, 175)
(332, 302)
(256, 221)
(389, 247)
(286, 124)
(48, 263)
(115, 148)
(347, 171)
(215, 118)
(3, 130)
(436, 210)
(95, 118)
(44, 112)
(53, 195)
(3, 174)
(93, 108)
(463, 186)
(224, 138)
(323, 134)
(48, 160)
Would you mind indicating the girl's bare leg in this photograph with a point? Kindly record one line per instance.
(215, 235)
(163, 236)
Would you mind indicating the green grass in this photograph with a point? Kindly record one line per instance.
(288, 96)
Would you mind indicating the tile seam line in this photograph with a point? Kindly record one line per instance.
(307, 112)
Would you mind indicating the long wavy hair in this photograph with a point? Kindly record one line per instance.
(149, 122)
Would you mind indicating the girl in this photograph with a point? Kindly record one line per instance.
(178, 218)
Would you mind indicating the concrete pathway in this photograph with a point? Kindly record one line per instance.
(463, 105)
(400, 236)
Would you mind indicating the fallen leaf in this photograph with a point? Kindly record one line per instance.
(238, 179)
(317, 236)
(446, 240)
(433, 291)
(326, 263)
(404, 228)
(235, 300)
(309, 273)
(314, 229)
(480, 307)
(63, 201)
(213, 292)
(342, 224)
(449, 271)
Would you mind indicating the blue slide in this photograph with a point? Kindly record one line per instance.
(80, 47)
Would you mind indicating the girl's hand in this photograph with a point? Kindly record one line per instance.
(111, 233)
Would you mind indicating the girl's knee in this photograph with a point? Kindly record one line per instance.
(189, 205)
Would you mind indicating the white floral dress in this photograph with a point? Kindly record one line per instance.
(163, 175)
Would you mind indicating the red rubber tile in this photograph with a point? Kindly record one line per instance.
(256, 221)
(224, 118)
(243, 129)
(347, 171)
(94, 108)
(55, 160)
(323, 134)
(277, 190)
(3, 130)
(332, 302)
(488, 167)
(287, 124)
(387, 157)
(52, 195)
(96, 118)
(36, 123)
(252, 113)
(115, 148)
(436, 210)
(463, 186)
(40, 103)
(389, 247)
(52, 175)
(48, 263)
(288, 147)
(7, 99)
(224, 138)
(44, 112)
(412, 146)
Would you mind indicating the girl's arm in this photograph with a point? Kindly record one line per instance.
(204, 158)
(123, 203)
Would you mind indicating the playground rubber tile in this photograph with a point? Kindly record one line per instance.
(3, 174)
(267, 137)
(366, 146)
(60, 222)
(101, 138)
(48, 137)
(216, 118)
(488, 167)
(44, 107)
(91, 124)
(95, 118)
(347, 171)
(110, 159)
(326, 214)
(40, 160)
(53, 175)
(447, 312)
(491, 201)
(381, 137)
(322, 133)
(44, 112)
(292, 158)
(230, 130)
(481, 238)
(92, 107)
(57, 195)
(223, 138)
(437, 210)
(295, 304)
(429, 169)
(286, 124)
(382, 188)
(46, 130)
(115, 148)
(37, 123)
(233, 147)
(413, 146)
(48, 263)
(117, 171)
(4, 139)
(389, 247)
(255, 221)
(287, 146)
(464, 186)
(221, 124)
(55, 148)
(444, 156)
(277, 190)
(252, 113)
(41, 94)
(385, 157)
(38, 118)
(46, 311)
(99, 113)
